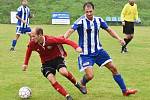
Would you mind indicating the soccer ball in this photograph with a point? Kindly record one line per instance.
(25, 92)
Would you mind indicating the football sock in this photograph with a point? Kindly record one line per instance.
(84, 80)
(71, 78)
(14, 43)
(120, 82)
(60, 89)
(127, 41)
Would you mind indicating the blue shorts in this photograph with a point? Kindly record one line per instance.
(20, 30)
(100, 58)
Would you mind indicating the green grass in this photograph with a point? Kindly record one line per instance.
(134, 67)
(43, 8)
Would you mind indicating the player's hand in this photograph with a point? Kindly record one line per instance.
(24, 67)
(137, 21)
(33, 15)
(122, 42)
(123, 23)
(24, 21)
(79, 49)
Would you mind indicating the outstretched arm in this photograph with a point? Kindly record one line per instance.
(68, 33)
(62, 40)
(27, 57)
(115, 35)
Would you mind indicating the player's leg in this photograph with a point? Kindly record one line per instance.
(86, 64)
(125, 31)
(103, 59)
(117, 77)
(119, 80)
(49, 72)
(56, 85)
(127, 39)
(14, 42)
(63, 71)
(128, 29)
(89, 75)
(61, 67)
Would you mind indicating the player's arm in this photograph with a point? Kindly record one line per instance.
(27, 57)
(115, 35)
(19, 14)
(20, 19)
(31, 15)
(123, 14)
(62, 40)
(73, 28)
(68, 33)
(136, 13)
(110, 31)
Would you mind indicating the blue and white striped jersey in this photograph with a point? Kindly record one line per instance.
(23, 13)
(88, 32)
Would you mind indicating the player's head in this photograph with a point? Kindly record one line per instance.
(131, 2)
(88, 8)
(24, 2)
(37, 34)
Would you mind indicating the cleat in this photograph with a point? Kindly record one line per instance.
(69, 98)
(84, 90)
(81, 88)
(125, 49)
(122, 51)
(129, 92)
(12, 49)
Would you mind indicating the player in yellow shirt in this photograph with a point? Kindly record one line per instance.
(128, 15)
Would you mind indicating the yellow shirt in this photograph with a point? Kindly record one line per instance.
(129, 13)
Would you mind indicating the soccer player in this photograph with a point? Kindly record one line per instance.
(128, 15)
(52, 55)
(88, 27)
(23, 15)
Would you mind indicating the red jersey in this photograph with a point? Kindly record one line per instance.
(50, 49)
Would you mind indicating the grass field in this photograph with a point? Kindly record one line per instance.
(134, 67)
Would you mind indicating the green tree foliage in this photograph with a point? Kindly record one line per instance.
(42, 9)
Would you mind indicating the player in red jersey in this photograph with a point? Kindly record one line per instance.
(52, 55)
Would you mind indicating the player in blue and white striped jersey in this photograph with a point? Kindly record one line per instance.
(88, 27)
(23, 15)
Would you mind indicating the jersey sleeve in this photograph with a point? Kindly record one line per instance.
(77, 23)
(103, 24)
(61, 40)
(136, 12)
(19, 12)
(123, 12)
(28, 54)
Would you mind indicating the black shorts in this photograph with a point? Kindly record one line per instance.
(52, 65)
(128, 28)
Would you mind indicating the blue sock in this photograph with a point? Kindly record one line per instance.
(120, 82)
(84, 80)
(14, 43)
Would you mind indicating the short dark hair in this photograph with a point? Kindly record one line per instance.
(39, 31)
(88, 4)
